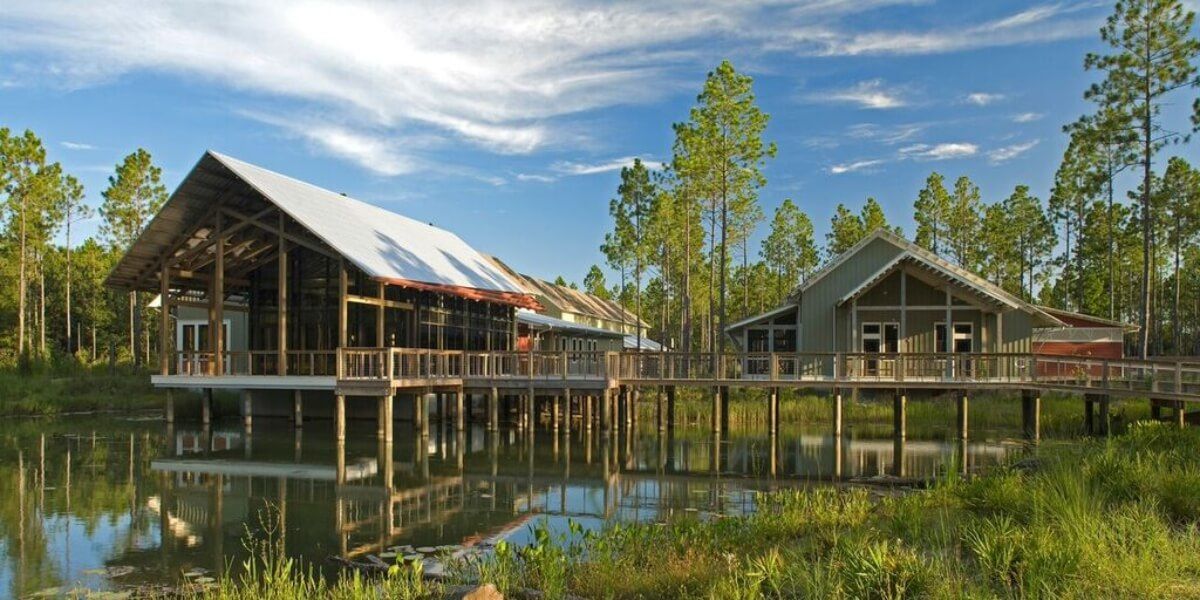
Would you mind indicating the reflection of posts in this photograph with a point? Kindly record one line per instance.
(340, 469)
(898, 447)
(218, 523)
(963, 406)
(899, 414)
(837, 412)
(493, 409)
(838, 454)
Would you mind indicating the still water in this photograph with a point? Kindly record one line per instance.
(108, 502)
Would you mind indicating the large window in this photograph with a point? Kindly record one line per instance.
(964, 337)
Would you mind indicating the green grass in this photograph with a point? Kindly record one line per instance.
(1113, 518)
(76, 389)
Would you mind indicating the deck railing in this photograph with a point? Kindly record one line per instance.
(1171, 378)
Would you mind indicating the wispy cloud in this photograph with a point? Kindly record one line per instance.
(576, 168)
(503, 77)
(1027, 117)
(77, 146)
(887, 134)
(871, 94)
(983, 98)
(536, 177)
(944, 151)
(855, 166)
(1007, 153)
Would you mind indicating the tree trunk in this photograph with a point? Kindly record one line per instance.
(68, 307)
(21, 283)
(1147, 153)
(1177, 329)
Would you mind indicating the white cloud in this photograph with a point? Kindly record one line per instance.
(499, 76)
(380, 153)
(887, 134)
(854, 166)
(983, 98)
(536, 178)
(871, 94)
(616, 164)
(77, 146)
(1027, 117)
(1039, 24)
(1008, 153)
(943, 151)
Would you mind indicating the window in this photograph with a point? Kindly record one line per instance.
(964, 337)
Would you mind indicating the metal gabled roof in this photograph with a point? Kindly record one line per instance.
(383, 244)
(932, 262)
(386, 246)
(546, 323)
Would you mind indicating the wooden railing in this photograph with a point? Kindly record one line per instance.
(1164, 378)
(254, 362)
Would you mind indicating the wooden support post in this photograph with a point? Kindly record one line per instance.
(899, 444)
(670, 407)
(554, 411)
(1180, 414)
(899, 415)
(716, 410)
(388, 419)
(493, 410)
(298, 408)
(586, 400)
(606, 410)
(343, 307)
(169, 411)
(962, 414)
(773, 411)
(837, 412)
(380, 314)
(566, 413)
(1089, 420)
(206, 407)
(217, 307)
(1155, 409)
(164, 324)
(282, 298)
(1103, 400)
(247, 409)
(460, 412)
(531, 411)
(339, 417)
(631, 415)
(1031, 415)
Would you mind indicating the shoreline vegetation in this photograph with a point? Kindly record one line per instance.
(1113, 517)
(76, 388)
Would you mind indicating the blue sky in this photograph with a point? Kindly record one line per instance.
(508, 122)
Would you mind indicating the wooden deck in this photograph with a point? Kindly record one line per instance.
(385, 371)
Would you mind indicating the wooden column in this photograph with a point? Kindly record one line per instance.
(164, 325)
(837, 412)
(282, 299)
(460, 413)
(1180, 414)
(388, 419)
(1089, 420)
(606, 410)
(567, 413)
(962, 414)
(206, 407)
(247, 409)
(586, 400)
(169, 412)
(948, 342)
(773, 411)
(670, 407)
(339, 417)
(902, 343)
(216, 328)
(298, 408)
(379, 318)
(1103, 400)
(1031, 415)
(343, 307)
(493, 410)
(899, 415)
(716, 409)
(554, 411)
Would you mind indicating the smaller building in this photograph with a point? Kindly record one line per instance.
(1082, 335)
(575, 306)
(543, 333)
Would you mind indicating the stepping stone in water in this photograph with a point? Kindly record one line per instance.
(426, 550)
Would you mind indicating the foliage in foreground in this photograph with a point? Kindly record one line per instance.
(1101, 518)
(76, 389)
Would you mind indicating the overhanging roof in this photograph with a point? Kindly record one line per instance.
(933, 263)
(570, 300)
(386, 246)
(542, 322)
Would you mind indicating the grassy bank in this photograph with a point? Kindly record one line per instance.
(1062, 415)
(76, 389)
(1087, 519)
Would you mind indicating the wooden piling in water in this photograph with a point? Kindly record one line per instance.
(963, 415)
(899, 415)
(1031, 415)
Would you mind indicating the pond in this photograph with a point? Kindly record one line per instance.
(99, 502)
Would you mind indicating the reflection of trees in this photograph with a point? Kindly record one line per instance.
(55, 481)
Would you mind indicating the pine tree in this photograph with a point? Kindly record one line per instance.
(1181, 194)
(135, 193)
(963, 223)
(931, 211)
(1152, 53)
(845, 230)
(789, 251)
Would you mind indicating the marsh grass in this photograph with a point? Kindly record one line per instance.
(76, 388)
(1097, 518)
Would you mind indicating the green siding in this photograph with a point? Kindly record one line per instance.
(817, 310)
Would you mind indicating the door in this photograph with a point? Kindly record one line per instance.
(191, 341)
(872, 344)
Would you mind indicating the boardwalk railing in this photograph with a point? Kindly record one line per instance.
(1156, 378)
